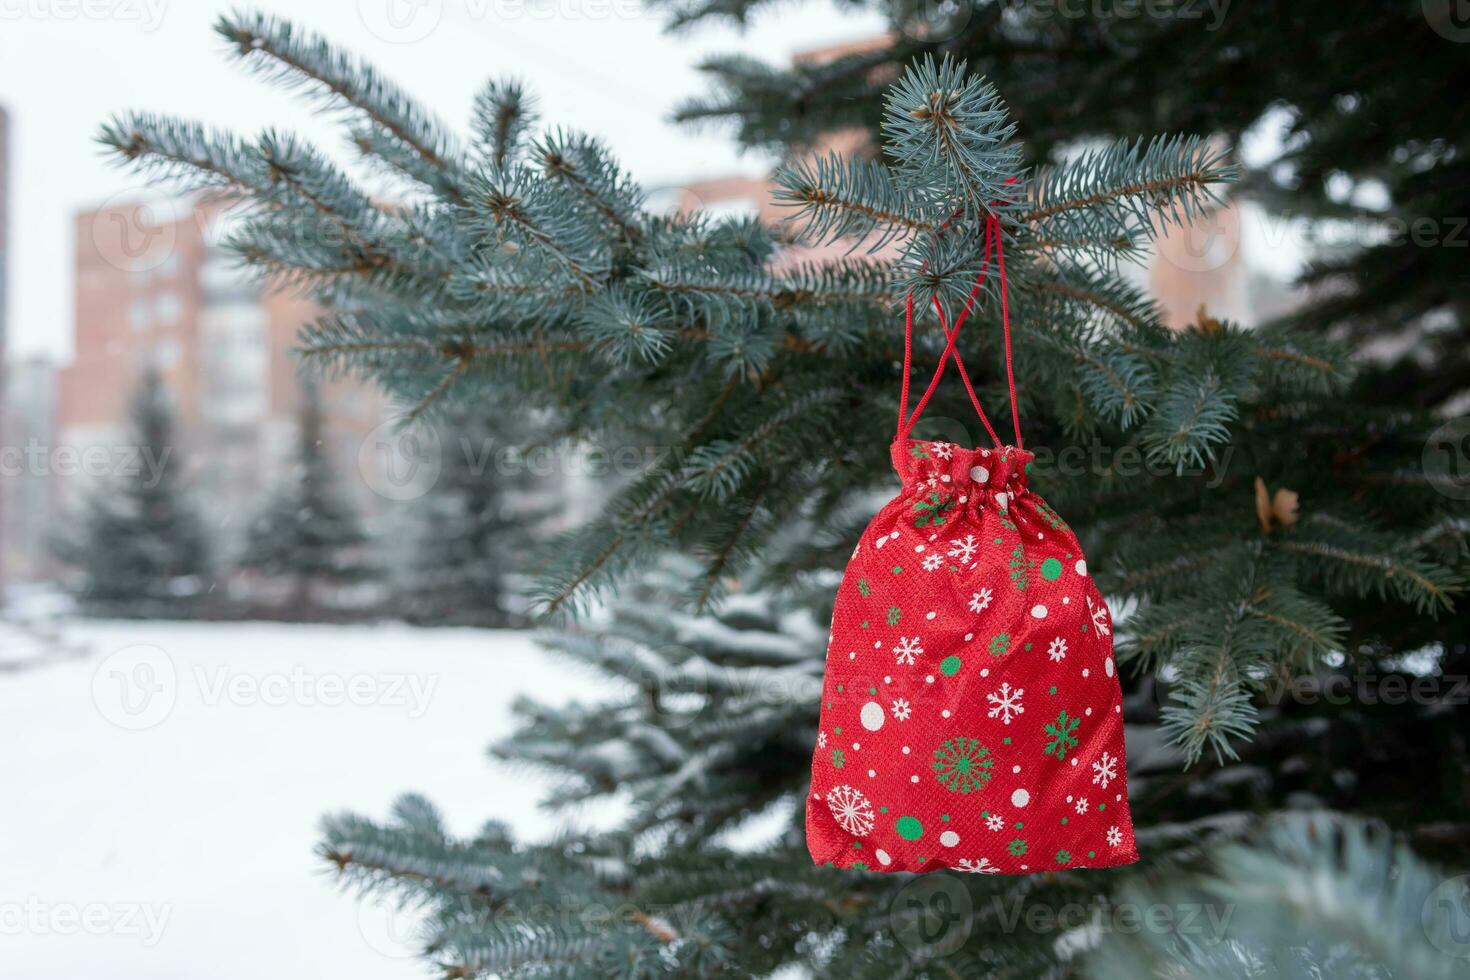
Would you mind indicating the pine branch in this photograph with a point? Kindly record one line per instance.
(295, 57)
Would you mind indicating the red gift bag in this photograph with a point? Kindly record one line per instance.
(971, 713)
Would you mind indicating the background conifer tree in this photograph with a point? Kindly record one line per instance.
(139, 543)
(476, 529)
(529, 264)
(308, 535)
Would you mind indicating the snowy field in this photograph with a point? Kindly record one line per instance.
(160, 791)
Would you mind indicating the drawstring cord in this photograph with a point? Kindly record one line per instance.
(906, 422)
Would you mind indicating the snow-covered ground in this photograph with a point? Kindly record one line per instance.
(159, 795)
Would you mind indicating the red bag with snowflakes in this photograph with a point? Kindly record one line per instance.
(971, 713)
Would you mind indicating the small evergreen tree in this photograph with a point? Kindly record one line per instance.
(475, 529)
(140, 544)
(308, 534)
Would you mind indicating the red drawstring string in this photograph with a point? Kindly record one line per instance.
(951, 336)
(906, 425)
(1005, 325)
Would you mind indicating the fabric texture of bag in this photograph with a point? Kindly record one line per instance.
(971, 712)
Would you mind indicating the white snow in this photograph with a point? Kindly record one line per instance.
(159, 797)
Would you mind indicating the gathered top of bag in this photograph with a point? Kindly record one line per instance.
(948, 469)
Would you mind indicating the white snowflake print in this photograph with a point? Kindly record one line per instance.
(1058, 650)
(942, 450)
(930, 482)
(1105, 770)
(821, 740)
(1099, 618)
(901, 710)
(1081, 805)
(963, 549)
(908, 650)
(1115, 837)
(994, 822)
(851, 810)
(980, 601)
(1007, 704)
(932, 561)
(977, 866)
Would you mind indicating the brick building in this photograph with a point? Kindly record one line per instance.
(154, 288)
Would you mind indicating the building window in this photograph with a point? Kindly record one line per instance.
(167, 307)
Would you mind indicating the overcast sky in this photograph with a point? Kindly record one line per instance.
(602, 66)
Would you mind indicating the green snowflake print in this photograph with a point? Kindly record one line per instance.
(1000, 644)
(1017, 847)
(1064, 857)
(931, 510)
(894, 615)
(1062, 739)
(963, 765)
(864, 588)
(838, 758)
(859, 866)
(1050, 516)
(1020, 569)
(917, 451)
